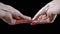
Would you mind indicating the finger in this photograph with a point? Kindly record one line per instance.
(34, 23)
(37, 22)
(17, 17)
(42, 11)
(27, 19)
(7, 17)
(14, 12)
(43, 19)
(24, 19)
(10, 9)
(52, 16)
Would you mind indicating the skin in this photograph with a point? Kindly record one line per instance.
(12, 16)
(45, 15)
(51, 9)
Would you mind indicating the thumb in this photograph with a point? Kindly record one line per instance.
(27, 19)
(24, 19)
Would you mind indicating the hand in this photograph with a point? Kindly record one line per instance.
(48, 13)
(12, 16)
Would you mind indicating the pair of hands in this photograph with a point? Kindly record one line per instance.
(46, 15)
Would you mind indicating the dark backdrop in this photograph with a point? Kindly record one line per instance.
(29, 8)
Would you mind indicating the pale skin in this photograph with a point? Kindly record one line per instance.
(12, 16)
(47, 14)
(50, 11)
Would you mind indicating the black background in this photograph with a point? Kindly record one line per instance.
(29, 8)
